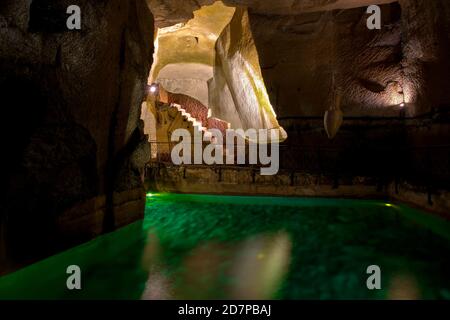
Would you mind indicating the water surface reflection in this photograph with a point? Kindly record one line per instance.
(252, 269)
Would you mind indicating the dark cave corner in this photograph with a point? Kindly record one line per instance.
(71, 127)
(76, 136)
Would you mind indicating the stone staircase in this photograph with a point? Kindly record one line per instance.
(183, 119)
(182, 112)
(189, 122)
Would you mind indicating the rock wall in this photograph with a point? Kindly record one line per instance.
(238, 79)
(376, 69)
(247, 181)
(170, 12)
(74, 148)
(190, 42)
(299, 55)
(426, 48)
(300, 43)
(187, 78)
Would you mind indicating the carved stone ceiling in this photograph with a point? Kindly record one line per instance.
(170, 12)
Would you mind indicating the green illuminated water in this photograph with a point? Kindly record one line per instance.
(198, 246)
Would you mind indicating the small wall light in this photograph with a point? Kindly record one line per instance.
(403, 103)
(153, 89)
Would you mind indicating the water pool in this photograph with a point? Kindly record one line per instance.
(219, 247)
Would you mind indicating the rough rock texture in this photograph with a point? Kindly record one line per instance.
(310, 48)
(192, 41)
(170, 12)
(300, 44)
(426, 48)
(185, 53)
(220, 98)
(70, 133)
(74, 147)
(237, 67)
(187, 78)
(219, 38)
(375, 69)
(247, 181)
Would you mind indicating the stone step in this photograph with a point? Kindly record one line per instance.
(221, 125)
(211, 123)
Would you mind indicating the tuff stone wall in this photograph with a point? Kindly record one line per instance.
(74, 147)
(300, 43)
(426, 48)
(375, 69)
(247, 181)
(170, 12)
(311, 47)
(71, 133)
(237, 89)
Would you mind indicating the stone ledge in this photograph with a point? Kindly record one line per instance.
(437, 202)
(246, 181)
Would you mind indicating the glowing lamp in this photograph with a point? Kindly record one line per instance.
(153, 89)
(403, 103)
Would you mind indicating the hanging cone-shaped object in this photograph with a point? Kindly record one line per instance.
(333, 119)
